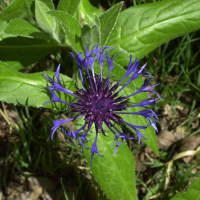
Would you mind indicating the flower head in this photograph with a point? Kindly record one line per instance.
(99, 101)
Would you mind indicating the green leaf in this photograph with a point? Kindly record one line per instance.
(71, 27)
(21, 27)
(68, 6)
(115, 174)
(108, 20)
(60, 33)
(90, 35)
(48, 3)
(14, 65)
(89, 11)
(3, 25)
(26, 89)
(193, 192)
(96, 21)
(24, 50)
(142, 28)
(149, 133)
(17, 9)
(45, 21)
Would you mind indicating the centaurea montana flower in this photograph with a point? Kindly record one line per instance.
(99, 101)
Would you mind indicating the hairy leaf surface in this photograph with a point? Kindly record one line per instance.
(71, 27)
(108, 20)
(45, 21)
(90, 35)
(68, 6)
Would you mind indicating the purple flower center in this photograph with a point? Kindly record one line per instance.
(99, 102)
(99, 106)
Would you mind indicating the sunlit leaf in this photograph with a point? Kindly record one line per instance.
(27, 89)
(114, 173)
(140, 29)
(193, 192)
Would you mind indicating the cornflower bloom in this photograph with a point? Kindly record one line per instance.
(99, 100)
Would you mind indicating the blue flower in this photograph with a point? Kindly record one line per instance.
(99, 100)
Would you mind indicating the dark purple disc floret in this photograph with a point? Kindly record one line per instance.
(100, 102)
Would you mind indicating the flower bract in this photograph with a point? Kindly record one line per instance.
(99, 101)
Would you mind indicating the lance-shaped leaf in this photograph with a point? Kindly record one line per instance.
(108, 20)
(26, 89)
(114, 173)
(140, 29)
(45, 21)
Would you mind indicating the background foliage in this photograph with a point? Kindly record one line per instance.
(45, 30)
